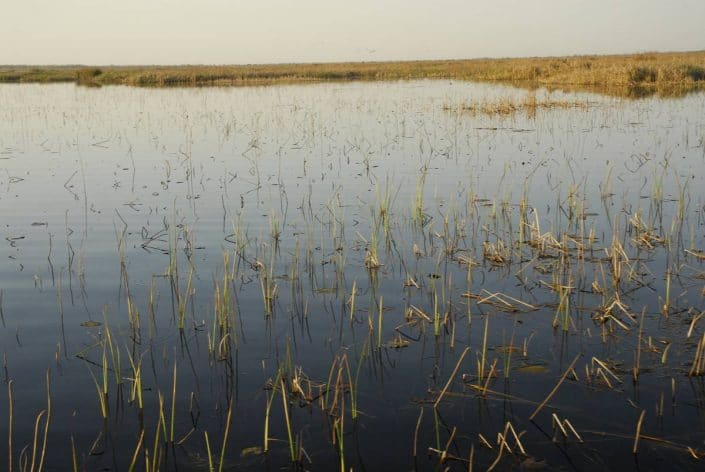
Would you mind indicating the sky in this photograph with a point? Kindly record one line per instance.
(103, 32)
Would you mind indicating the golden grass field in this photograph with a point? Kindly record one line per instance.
(672, 73)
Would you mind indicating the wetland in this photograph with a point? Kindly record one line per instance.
(361, 275)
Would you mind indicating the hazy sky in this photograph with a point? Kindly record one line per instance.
(261, 31)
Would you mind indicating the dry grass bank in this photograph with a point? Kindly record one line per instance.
(635, 74)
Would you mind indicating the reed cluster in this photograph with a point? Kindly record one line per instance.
(626, 75)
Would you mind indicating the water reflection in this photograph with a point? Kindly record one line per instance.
(323, 264)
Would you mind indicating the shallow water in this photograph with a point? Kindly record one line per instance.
(117, 201)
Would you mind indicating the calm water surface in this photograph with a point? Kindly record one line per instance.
(133, 219)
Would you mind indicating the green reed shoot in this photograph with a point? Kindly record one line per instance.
(173, 407)
(379, 323)
(268, 286)
(133, 315)
(136, 391)
(339, 427)
(208, 452)
(74, 456)
(419, 216)
(667, 303)
(481, 363)
(353, 293)
(274, 228)
(353, 389)
(563, 310)
(268, 407)
(114, 356)
(225, 435)
(372, 260)
(137, 452)
(292, 443)
(183, 299)
(102, 392)
(637, 357)
(150, 310)
(104, 370)
(508, 356)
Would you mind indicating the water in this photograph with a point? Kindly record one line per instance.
(146, 203)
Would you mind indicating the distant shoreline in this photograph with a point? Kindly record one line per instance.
(670, 73)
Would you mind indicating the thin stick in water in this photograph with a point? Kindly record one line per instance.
(452, 376)
(638, 431)
(555, 389)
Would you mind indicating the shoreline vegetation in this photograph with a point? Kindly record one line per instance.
(530, 105)
(631, 75)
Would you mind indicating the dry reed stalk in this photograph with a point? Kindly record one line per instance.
(444, 453)
(74, 456)
(693, 322)
(573, 430)
(557, 423)
(420, 313)
(502, 298)
(509, 428)
(555, 389)
(137, 452)
(638, 431)
(416, 431)
(484, 441)
(450, 379)
(635, 370)
(698, 367)
(48, 420)
(489, 377)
